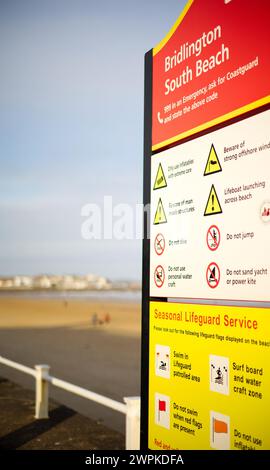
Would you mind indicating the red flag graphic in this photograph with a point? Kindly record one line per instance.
(161, 405)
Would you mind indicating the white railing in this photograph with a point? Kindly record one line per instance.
(131, 407)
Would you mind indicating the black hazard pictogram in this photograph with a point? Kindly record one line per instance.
(160, 181)
(213, 205)
(213, 164)
(160, 216)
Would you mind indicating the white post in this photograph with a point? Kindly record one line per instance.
(42, 391)
(133, 423)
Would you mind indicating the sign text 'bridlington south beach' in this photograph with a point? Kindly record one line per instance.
(201, 66)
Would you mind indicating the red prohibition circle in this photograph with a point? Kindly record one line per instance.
(159, 276)
(213, 275)
(159, 244)
(213, 243)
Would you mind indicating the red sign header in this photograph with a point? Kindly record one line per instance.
(212, 66)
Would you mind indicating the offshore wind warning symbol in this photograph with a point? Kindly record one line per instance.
(213, 164)
(160, 216)
(160, 181)
(213, 275)
(159, 276)
(213, 205)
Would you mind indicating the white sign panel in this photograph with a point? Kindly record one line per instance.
(210, 215)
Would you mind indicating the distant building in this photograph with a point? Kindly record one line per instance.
(7, 283)
(22, 282)
(42, 282)
(65, 282)
(80, 283)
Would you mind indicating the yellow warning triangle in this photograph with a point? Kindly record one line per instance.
(160, 181)
(213, 205)
(213, 164)
(160, 217)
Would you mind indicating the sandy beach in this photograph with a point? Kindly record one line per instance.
(91, 343)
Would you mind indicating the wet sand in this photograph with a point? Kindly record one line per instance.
(102, 357)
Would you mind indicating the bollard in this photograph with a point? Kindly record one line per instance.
(132, 423)
(42, 391)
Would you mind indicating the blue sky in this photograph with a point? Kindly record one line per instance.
(71, 127)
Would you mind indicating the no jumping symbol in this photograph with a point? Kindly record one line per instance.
(213, 238)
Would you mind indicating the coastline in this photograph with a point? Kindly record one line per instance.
(84, 295)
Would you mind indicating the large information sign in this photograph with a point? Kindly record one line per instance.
(206, 257)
